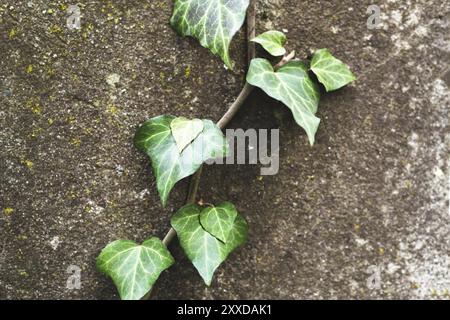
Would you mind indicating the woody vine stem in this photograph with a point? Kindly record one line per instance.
(234, 108)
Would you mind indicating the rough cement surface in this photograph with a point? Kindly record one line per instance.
(370, 198)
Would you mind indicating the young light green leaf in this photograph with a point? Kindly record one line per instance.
(134, 268)
(184, 131)
(331, 72)
(204, 250)
(273, 41)
(291, 85)
(213, 22)
(169, 165)
(219, 220)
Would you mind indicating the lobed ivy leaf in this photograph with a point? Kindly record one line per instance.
(219, 220)
(331, 72)
(134, 268)
(213, 22)
(204, 250)
(291, 85)
(273, 42)
(155, 138)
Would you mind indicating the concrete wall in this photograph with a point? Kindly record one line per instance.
(371, 197)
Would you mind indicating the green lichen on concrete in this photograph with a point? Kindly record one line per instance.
(8, 211)
(187, 72)
(34, 105)
(27, 163)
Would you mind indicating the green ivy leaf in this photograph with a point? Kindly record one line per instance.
(219, 220)
(204, 250)
(169, 165)
(134, 268)
(184, 131)
(213, 22)
(273, 42)
(331, 72)
(291, 85)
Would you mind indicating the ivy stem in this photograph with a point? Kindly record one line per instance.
(285, 60)
(229, 115)
(192, 195)
(223, 122)
(251, 31)
(232, 111)
(234, 108)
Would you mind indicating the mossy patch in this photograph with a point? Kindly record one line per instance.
(28, 163)
(8, 211)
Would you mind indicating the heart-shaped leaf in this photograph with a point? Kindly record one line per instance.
(204, 250)
(184, 131)
(213, 22)
(169, 165)
(291, 85)
(273, 41)
(134, 268)
(219, 220)
(331, 72)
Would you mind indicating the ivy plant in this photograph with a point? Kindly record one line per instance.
(134, 268)
(213, 22)
(273, 41)
(177, 146)
(199, 230)
(291, 85)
